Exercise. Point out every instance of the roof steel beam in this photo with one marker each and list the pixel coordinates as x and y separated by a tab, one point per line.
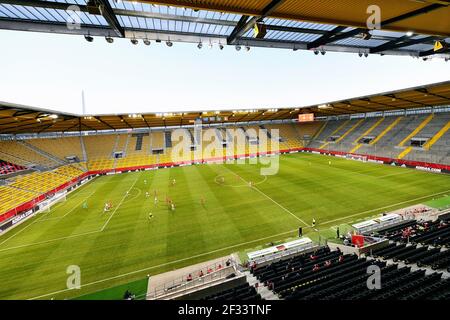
246	23
34	123
122	119
325	38
162	16
378	103
121	12
53	27
400	43
108	13
336	37
360	107
432	52
394	97
42	4
426	92
105	123
348	111
96	30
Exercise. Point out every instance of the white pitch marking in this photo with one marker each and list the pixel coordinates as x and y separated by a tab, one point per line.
256	189
71	210
37	220
386	207
62	238
167	263
394	174
120	203
325	223
51	240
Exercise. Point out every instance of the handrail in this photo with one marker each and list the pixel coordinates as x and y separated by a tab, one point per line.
180	284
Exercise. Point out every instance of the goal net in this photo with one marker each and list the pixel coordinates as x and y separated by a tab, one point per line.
46	205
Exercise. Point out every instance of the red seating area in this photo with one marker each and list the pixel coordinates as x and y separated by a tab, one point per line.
7	167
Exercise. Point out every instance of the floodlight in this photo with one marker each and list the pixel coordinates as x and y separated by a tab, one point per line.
88	38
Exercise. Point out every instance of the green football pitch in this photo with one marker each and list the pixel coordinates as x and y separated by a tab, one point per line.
124	245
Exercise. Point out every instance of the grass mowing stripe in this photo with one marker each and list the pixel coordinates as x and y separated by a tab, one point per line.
51	240
265	195
24	228
254	188
67	237
71	210
168	263
386	207
41	219
234	246
121	201
306	185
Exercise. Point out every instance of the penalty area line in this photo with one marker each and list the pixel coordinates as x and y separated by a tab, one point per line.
71	210
63	238
41	218
265	195
120	203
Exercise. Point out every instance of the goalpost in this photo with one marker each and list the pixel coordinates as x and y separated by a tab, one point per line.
46	205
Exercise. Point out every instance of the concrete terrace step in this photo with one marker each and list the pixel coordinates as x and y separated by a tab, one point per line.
265	293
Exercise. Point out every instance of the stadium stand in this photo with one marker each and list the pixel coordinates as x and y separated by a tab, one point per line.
157	140
423	256
331	275
424	243
437	260
11	197
70	171
39	182
377	134
26	187
435	233
7	167
61	147
433	139
137	151
356	138
99	149
21	153
329	133
307	131
289	136
240	292
423	138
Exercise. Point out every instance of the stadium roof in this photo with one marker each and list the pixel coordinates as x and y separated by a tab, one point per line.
408	27
16	119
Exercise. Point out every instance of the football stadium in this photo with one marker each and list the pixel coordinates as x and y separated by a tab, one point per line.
345	199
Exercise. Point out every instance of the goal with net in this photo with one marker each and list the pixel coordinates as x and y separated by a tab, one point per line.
46	205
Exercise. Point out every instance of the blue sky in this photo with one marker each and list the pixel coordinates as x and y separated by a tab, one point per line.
50	71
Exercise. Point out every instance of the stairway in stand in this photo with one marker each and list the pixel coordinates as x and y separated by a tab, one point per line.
265	293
